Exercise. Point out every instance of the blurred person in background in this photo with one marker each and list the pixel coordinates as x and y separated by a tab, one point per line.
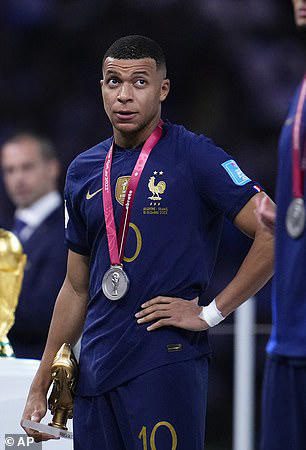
284	387
30	170
144	355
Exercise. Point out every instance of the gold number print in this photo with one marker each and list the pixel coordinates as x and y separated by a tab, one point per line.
138	245
143	435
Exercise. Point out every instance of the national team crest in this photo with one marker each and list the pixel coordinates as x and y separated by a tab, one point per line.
121	187
156	187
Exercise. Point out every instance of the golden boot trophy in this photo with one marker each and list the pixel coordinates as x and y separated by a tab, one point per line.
64	375
64	372
12	263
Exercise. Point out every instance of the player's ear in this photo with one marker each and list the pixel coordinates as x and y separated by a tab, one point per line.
164	90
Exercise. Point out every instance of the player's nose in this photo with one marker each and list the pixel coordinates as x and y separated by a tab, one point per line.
125	93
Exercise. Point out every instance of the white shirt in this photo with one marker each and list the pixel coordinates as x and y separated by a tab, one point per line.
35	214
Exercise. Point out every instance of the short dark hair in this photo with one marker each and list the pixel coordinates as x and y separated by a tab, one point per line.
136	47
46	148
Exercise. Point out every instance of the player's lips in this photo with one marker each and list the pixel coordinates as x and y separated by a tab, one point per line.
125	115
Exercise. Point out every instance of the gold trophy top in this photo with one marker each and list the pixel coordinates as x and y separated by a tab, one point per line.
10	251
12	263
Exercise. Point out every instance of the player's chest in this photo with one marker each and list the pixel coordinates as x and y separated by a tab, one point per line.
164	187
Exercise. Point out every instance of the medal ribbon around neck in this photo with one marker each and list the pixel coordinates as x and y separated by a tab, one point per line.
296	214
297	169
116	245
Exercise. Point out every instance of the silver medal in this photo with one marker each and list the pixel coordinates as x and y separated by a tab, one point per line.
115	283
295	218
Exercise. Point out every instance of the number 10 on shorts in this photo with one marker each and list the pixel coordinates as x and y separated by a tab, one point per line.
143	436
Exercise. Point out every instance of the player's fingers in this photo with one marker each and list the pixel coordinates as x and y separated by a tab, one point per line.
28	417
153	316
41	437
151	309
158	299
36	416
160	323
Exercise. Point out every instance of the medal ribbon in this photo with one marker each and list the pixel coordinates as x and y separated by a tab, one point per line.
297	170
116	253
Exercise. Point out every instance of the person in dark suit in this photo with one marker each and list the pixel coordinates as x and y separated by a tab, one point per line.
30	171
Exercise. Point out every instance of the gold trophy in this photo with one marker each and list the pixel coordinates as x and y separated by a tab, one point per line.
64	375
64	371
12	263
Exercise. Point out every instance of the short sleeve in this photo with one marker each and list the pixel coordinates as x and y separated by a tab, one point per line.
218	178
75	229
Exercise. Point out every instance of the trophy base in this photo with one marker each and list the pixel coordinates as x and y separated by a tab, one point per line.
42	428
6	350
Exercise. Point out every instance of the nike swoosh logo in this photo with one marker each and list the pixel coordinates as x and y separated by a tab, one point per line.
89	195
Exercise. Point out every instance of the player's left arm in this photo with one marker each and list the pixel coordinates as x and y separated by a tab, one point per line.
254	272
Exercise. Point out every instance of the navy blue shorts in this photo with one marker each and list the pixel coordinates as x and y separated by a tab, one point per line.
284	404
163	409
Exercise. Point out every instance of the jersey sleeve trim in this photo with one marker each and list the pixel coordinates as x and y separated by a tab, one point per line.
242	202
76	248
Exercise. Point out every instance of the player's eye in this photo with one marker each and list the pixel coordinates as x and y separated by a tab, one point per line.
140	82
112	82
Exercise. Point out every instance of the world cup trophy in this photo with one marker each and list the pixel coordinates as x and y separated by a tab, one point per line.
12	263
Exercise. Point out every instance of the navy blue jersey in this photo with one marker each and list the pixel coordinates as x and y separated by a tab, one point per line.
288	336
186	188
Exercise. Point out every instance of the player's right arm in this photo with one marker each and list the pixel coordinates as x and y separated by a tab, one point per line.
66	326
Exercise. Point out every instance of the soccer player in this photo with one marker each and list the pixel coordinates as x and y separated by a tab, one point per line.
144	216
284	388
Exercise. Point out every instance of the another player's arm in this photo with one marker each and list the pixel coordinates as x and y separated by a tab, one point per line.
266	213
253	274
66	326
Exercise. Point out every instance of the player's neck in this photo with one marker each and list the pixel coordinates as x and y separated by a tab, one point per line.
133	140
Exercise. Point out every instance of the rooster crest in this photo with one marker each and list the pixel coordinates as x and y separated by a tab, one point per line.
157	189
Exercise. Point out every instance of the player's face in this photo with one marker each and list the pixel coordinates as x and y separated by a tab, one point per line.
27	175
132	91
299	7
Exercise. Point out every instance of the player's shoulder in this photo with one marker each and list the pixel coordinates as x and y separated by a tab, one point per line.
185	136
83	163
204	156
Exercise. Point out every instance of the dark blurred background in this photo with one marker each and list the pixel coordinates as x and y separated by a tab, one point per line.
233	64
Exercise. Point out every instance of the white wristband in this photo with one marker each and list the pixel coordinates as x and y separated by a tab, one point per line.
211	314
